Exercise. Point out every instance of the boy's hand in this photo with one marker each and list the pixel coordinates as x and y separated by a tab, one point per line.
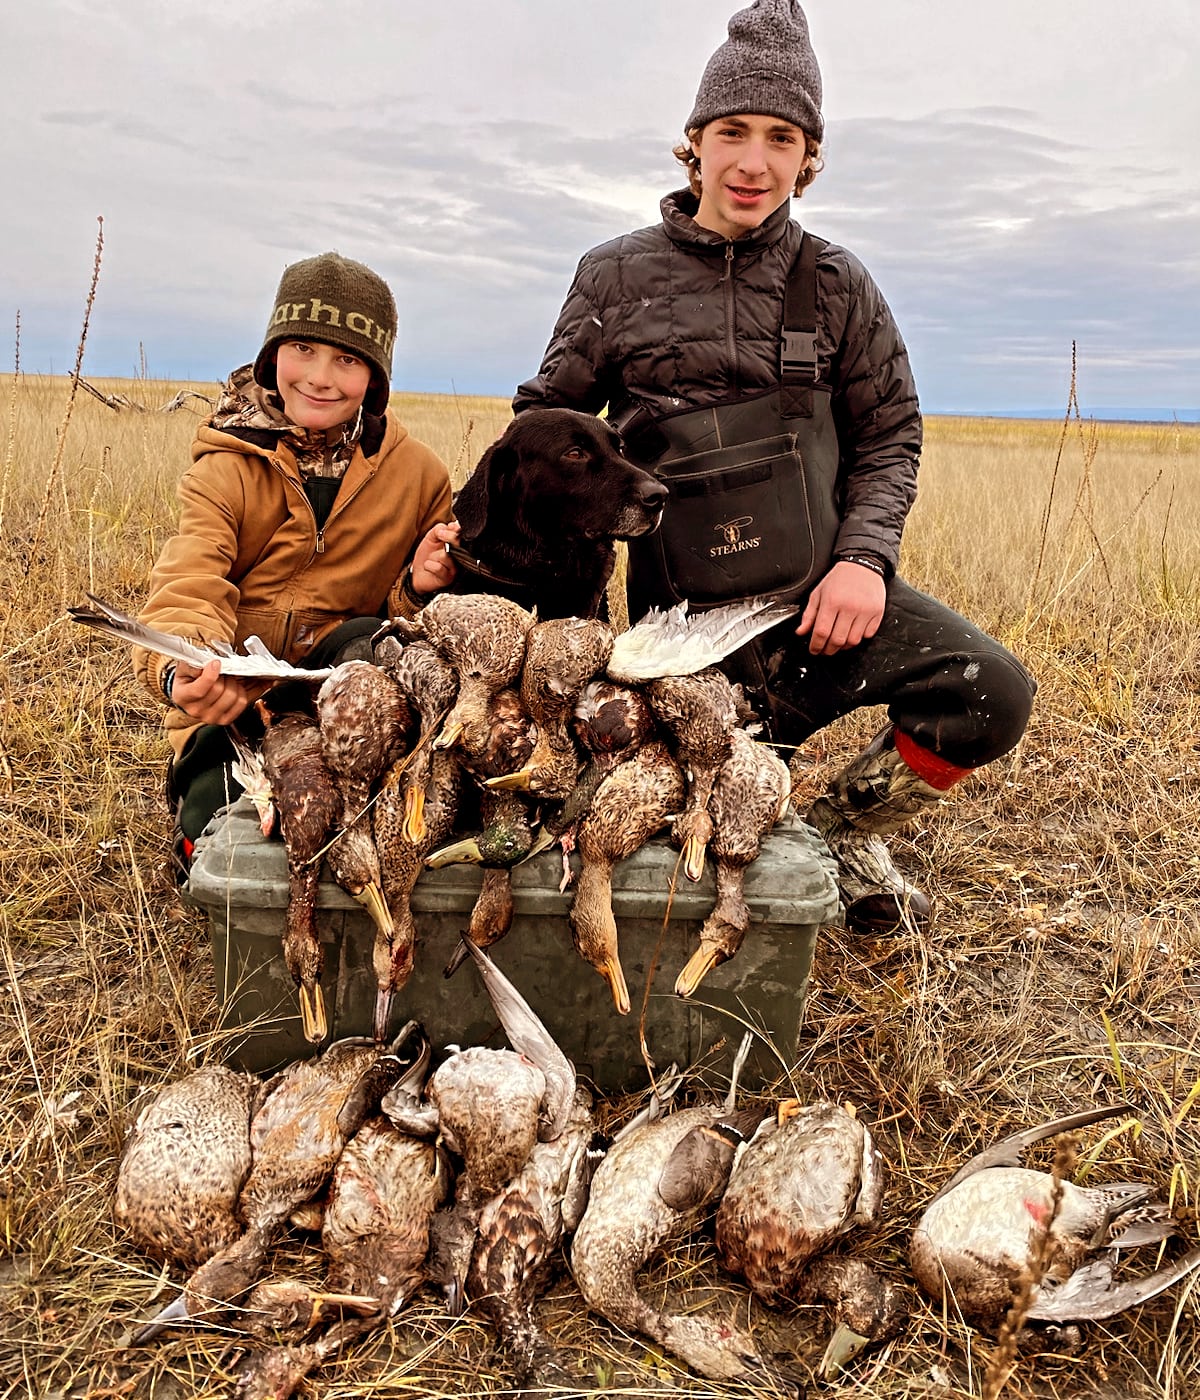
208	695
432	567
844	609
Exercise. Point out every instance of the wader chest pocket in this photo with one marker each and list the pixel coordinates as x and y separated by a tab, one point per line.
736	523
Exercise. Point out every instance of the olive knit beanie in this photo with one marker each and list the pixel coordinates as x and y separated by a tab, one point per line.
766	67
339	302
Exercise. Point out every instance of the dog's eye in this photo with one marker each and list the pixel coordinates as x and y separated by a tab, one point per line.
575	454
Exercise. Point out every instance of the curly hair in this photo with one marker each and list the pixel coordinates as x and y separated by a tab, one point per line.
688	158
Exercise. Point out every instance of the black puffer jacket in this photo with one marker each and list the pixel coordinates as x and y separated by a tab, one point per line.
674	315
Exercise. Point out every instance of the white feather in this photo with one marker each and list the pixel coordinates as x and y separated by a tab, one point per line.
259	662
673	644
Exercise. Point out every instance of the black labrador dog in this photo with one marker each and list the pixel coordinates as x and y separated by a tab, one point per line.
541	510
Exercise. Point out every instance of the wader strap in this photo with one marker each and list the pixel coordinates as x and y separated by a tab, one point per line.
798	344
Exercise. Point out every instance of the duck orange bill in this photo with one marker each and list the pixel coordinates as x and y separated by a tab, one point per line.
511	782
372	900
844	1346
449	736
610	969
696	969
414	814
693	857
312	1013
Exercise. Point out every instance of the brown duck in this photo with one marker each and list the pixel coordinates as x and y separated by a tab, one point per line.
296	1136
401	861
431	685
975	1239
633	802
699	713
561	656
308	804
366	723
184	1164
651	1186
751	794
810	1174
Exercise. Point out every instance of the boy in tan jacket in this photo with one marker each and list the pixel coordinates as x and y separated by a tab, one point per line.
308	515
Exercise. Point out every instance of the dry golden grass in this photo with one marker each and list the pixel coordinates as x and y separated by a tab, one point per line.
1061	968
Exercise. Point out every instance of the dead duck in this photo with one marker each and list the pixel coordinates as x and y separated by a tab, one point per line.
975	1239
699	713
651	1186
184	1164
610	722
366	723
751	794
308	804
431	685
633	802
313	1108
810	1174
519	1233
483	638
505	839
561	656
402	858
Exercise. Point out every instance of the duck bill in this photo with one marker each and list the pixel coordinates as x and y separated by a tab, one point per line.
173	1315
693	857
457	958
383	1013
457	853
312	1013
844	1346
695	970
520	781
541	842
372	900
450	735
414	814
328	1304
610	969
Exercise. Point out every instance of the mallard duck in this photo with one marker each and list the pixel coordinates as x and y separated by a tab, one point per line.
296	1136
976	1237
519	1232
561	656
402	860
504	840
611	722
365	722
431	684
491	1106
651	1186
184	1164
308	804
810	1174
751	793
700	713
633	802
483	637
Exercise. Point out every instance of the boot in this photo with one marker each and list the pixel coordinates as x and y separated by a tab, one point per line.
871	798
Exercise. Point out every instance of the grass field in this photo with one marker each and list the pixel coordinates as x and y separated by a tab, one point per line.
1061	968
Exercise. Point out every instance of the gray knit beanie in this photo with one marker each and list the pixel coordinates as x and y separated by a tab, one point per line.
766	67
339	302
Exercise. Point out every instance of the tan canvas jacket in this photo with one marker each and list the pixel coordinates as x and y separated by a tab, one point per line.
248	559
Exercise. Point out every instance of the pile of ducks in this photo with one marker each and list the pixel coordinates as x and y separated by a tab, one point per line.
478	1175
479	733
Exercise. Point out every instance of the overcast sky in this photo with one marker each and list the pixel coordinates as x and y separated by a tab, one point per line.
1016	177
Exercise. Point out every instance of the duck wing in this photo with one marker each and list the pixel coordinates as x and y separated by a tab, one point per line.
1090	1295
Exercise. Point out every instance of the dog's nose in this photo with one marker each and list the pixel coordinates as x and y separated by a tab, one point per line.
653	494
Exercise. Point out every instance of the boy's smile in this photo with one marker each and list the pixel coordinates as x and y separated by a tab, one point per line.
321	386
749	166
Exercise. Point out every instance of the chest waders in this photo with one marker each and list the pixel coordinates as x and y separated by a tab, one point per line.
754	501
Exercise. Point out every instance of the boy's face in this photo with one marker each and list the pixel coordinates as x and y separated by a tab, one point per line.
749	166
321	386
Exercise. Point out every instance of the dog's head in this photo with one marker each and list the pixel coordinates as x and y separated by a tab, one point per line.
557	474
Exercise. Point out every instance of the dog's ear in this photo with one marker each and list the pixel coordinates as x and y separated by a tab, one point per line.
471	503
